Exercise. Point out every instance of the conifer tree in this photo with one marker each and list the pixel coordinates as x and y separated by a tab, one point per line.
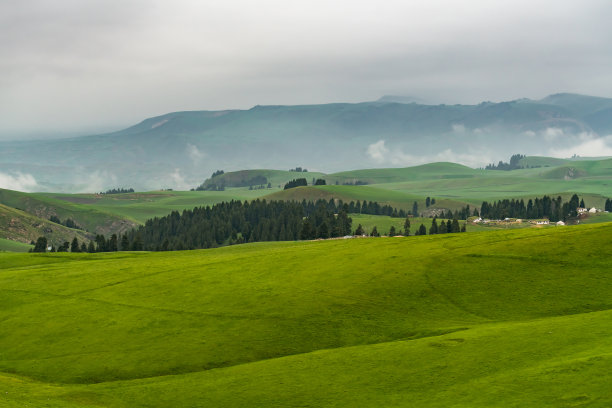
359	230
125	243
434	227
392	231
41	245
112	243
422	230
74	246
455	226
407	227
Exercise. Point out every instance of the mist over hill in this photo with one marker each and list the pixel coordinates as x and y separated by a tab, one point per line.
180	149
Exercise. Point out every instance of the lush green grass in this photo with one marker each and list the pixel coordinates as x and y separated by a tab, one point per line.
441	170
506	318
13	246
596	218
139	207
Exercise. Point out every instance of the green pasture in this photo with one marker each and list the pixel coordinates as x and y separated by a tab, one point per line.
506	318
13	246
44	205
139	207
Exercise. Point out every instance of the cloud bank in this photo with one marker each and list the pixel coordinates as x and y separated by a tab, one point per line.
19	182
382	155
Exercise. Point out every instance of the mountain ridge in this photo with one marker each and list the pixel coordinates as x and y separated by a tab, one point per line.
180	149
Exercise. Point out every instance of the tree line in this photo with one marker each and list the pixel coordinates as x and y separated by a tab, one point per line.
118	191
608	205
545	207
238	222
69	222
513	165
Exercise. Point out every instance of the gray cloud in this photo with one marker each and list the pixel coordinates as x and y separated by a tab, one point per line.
68	65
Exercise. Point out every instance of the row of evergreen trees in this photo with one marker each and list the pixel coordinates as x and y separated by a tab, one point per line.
237	222
70	223
513	165
299	182
118	191
546	207
100	244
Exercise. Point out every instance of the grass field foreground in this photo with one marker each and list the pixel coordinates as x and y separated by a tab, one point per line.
506	318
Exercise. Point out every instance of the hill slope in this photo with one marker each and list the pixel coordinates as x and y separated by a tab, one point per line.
439	320
21	227
86	217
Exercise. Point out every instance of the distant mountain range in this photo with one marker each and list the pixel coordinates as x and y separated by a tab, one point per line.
181	149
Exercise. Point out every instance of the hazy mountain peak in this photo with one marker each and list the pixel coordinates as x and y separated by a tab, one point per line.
402	99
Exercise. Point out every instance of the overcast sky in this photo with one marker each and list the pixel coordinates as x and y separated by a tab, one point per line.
78	66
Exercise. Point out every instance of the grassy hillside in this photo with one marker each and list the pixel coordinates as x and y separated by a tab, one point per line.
45	205
440	170
452	320
14	246
379	193
139	207
245	178
17	227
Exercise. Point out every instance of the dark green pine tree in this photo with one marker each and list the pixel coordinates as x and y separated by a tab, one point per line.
359	230
91	247
41	245
374	232
427	202
455	226
323	230
407	227
83	247
125	243
100	243
112	243
306	232
74	246
392	231
582	203
137	244
415	209
422	230
442	227
434	227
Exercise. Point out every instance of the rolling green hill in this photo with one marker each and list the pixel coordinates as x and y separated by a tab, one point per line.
246	178
507	318
14	246
18	227
76	208
441	170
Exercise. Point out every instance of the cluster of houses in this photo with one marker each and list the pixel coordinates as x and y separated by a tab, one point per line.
593	210
544	221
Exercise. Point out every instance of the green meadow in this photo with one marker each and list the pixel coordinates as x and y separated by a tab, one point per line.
13	246
504	318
